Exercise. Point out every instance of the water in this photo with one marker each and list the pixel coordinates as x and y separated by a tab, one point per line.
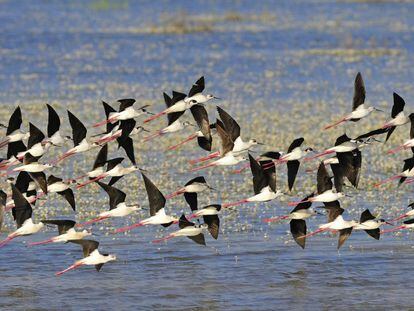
280	67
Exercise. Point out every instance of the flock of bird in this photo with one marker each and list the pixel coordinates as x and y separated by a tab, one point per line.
27	174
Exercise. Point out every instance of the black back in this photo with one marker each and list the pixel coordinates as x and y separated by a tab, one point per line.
342	139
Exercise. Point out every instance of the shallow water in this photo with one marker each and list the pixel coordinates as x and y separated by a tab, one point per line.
280	67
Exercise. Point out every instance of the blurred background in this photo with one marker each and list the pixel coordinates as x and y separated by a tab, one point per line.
284	69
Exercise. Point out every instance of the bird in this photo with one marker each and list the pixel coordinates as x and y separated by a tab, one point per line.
407	172
297	218
57	185
196	93
35	170
22	215
359	110
13	133
114	169
191	189
176	105
370	224
291	158
54	137
325	191
227	156
66	231
263	186
205	132
117	205
188	229
35	145
348	165
174	123
126	112
80	142
398	117
408	224
339	224
267	158
210	217
342	144
98	167
406	214
232	129
157	211
91	256
410	142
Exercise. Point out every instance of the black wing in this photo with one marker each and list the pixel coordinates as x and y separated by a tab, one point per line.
78	129
198	87
200	115
191	199
270	173
113	162
205	143
198	179
15	148
128	145
213	223
259	178
292	167
334	209
373	133
53	122
342	139
108	110
338	176
183	222
343	236
359	92
101	158
40	180
63	225
22	209
226	143
15	121
116	196
398	106
303	205
365	216
298	230
22	181
125	103
36	136
324	182
389	132
70	197
296	143
375	233
411	116
177	96
199	239
155	197
350	163
88	246
230	124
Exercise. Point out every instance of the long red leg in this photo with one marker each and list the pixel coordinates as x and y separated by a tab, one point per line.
4	143
41	242
203	159
274	219
91	181
395	150
128	228
202	167
335	124
297	202
235	203
72	267
319	155
155	116
163	239
104	122
155	135
174	194
399	217
7	240
393	229
189	138
313	233
92	221
386	180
